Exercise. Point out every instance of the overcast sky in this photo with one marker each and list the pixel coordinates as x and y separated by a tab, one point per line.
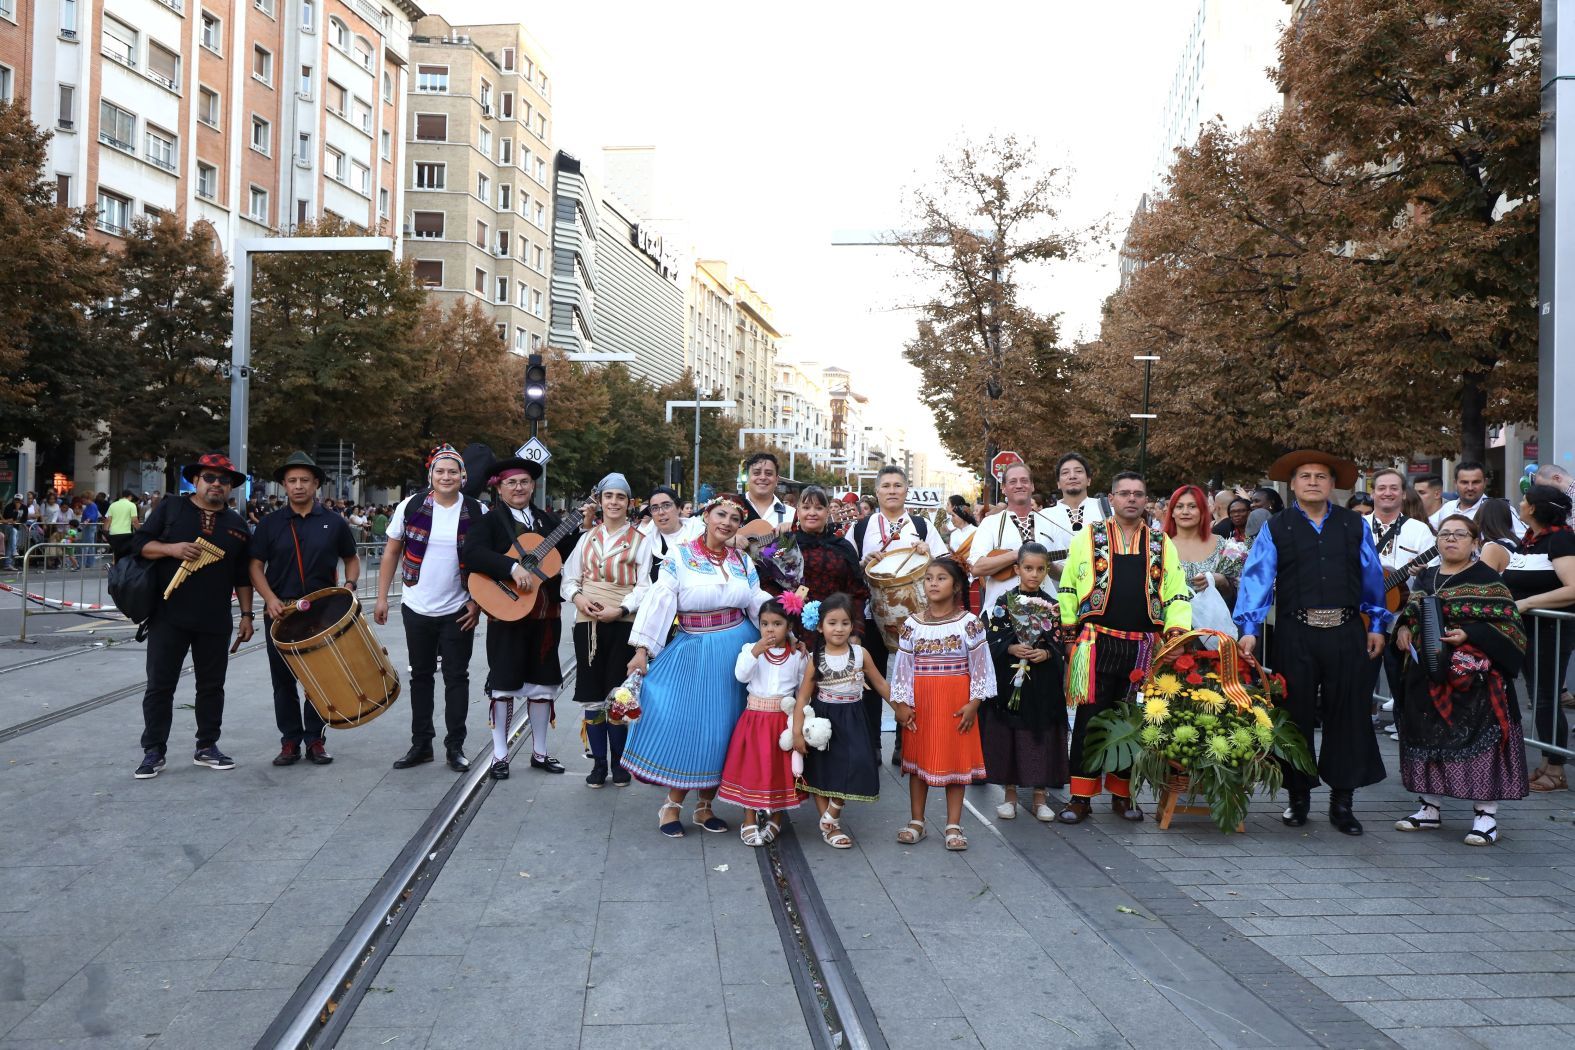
777	124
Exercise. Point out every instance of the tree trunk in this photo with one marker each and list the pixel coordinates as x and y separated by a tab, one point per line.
1473	427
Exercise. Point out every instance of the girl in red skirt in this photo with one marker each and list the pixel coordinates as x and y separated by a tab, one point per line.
758	773
942	669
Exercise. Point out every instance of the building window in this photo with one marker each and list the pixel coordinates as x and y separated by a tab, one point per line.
336	98
535	342
480	283
119	42
508	60
431	176
388	87
382	202
152	214
363	52
212	33
507	105
257	205
385	144
262	135
338	35
160	150
303	149
429	272
527	68
67	119
262	64
541	171
304	89
521	293
207	181
541	126
116	127
484	187
541	85
484	141
540	263
208	106
308	15
63	190
7	84
114	212
503	244
432	79
505	196
362	115
481	235
541	215
265	6
68	18
501	292
361	179
427	225
164	66
486	98
505	151
431	127
536	303
334	164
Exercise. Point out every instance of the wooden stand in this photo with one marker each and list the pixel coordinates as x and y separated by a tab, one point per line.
1170	804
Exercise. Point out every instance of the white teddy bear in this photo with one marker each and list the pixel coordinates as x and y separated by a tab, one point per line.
817	732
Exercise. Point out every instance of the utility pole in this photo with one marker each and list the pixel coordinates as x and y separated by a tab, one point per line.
697	404
1145	415
1556	270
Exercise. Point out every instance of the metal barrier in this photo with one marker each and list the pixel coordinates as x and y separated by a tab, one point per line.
1552	630
371	556
73	585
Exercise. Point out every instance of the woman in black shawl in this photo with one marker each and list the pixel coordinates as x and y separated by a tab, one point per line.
1461	738
831	565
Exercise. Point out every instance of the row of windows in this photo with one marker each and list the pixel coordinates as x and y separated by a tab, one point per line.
433	127
123	44
117	128
429	272
432	225
527	69
434	176
434	80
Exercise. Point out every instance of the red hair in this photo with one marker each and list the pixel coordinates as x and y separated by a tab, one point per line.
1201	499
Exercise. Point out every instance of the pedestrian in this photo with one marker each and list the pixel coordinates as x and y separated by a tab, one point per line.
123	521
761	502
942	671
605	579
1401	541
425	537
1471	482
831	565
195	616
1429	489
297	550
1074	509
1233	526
87	533
1122	588
1023	731
380	522
1461	737
838	675
757	773
993	550
13	519
1317	564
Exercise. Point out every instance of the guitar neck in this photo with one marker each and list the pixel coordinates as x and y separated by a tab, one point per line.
565	527
1395	577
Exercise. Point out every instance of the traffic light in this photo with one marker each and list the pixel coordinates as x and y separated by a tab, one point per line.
674	475
535	389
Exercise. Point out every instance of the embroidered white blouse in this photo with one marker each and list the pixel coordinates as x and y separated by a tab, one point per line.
691	582
952	647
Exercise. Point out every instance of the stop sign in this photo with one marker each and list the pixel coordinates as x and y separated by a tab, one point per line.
1003	459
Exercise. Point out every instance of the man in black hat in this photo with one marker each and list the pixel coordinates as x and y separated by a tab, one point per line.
522	655
297	550
185	534
1316	561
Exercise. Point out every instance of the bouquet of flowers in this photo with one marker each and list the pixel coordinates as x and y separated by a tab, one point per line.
623	703
1031	618
1207	717
783	562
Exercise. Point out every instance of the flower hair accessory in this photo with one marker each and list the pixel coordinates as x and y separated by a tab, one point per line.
809	616
792	602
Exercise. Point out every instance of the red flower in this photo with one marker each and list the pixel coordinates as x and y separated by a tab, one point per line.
1184	662
1135	677
1194	679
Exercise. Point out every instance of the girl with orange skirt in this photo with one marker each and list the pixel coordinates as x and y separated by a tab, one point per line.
941	671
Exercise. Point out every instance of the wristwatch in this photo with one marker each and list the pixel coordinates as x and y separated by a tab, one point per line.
248	616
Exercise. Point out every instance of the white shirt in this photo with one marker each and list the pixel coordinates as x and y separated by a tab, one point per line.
770	513
438	591
1453	507
1060	516
765	679
901	533
574	569
663	543
1413	538
999	531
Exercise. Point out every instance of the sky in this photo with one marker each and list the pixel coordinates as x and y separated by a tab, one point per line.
777	124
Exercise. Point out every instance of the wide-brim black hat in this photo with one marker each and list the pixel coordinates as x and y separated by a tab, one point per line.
498	466
213	461
300	459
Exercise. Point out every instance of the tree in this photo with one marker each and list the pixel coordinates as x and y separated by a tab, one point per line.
54	275
169	328
719	455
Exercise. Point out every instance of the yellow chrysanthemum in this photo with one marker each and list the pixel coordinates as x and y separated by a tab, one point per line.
1155	711
1261	716
1167	685
1209	700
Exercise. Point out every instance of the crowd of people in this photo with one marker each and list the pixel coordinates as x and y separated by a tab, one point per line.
746	652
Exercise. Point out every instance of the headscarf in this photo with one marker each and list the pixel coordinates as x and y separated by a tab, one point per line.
614	482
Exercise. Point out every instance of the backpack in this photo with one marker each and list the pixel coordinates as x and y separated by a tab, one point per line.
134	587
919	525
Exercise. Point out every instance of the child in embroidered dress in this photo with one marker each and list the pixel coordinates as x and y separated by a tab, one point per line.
939	675
847	768
758	774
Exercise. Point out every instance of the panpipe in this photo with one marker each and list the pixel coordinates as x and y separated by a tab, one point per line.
207	554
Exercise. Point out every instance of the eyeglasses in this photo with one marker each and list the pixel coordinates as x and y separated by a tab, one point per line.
515	483
1453	535
213	479
662	506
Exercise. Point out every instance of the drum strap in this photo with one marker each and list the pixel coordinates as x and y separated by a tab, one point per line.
300	566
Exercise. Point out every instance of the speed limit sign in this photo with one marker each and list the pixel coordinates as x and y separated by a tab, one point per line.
534	451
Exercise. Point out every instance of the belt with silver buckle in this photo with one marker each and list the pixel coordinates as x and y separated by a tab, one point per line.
1323	617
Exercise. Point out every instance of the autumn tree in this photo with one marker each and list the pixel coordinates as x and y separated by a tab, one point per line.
169	329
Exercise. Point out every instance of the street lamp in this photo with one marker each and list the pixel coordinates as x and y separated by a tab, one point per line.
697	404
1145	415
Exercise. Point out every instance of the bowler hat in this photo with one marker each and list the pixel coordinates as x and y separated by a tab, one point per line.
300	459
213	461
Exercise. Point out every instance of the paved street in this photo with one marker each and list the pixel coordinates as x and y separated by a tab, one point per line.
184	911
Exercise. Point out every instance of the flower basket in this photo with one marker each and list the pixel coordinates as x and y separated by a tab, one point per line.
1202	723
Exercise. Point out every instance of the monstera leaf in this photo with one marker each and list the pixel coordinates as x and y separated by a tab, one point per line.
1111	744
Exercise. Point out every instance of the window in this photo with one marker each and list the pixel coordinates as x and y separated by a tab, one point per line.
363	52
338	35
536	303
303	149
503	244
208	106
212	33
114	212
484	141
507	103
160	148
262	135
265	6
541	85
541	171
508	60
164	65
481	281
501	292
505	196
388	87
483	187
334	164
541	126
385	144
362	114
308	15
119	42
432	79
336	98
431	127
519	336
116	127
304	88
382	201
262	64
207	181
257	204
302	211
68	18
541	215
527	68
486	97
63	190
67	119
535	342
522	293
505	151
481	235
427	224
430	272
361	179
431	176
540	263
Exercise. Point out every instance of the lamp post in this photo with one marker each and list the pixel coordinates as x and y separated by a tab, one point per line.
697	404
1145	415
1556	271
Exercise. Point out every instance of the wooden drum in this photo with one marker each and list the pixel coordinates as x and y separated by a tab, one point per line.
328	646
896	580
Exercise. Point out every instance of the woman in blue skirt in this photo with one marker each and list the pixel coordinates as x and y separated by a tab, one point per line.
691	699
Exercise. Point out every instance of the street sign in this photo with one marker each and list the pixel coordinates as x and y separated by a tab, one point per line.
1002	460
534	451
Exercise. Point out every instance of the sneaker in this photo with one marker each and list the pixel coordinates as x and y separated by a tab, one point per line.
620	777
289	754
317	754
213	758
152	762
597	776
1388	706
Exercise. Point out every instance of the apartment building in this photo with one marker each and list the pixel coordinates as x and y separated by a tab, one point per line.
574	232
479	178
731	341
802	407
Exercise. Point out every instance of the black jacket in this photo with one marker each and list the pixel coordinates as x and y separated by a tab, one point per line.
489	540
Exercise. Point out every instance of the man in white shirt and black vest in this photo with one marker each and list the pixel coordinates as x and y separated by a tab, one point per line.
1075	510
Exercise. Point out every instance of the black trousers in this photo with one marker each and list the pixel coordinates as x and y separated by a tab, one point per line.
298	720
1327	672
875	645
605	672
210	660
1547	655
1116	660
120	546
427	638
1389	667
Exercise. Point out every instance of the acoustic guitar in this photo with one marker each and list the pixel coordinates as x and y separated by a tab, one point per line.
503	599
838	513
1394	579
1007	572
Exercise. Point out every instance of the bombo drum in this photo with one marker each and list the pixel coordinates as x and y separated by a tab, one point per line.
896	581
329	647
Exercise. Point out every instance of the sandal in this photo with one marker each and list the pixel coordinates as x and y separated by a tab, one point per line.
713	823
831	832
1549	778
955	840
673	829
1482	836
750	834
769	830
913	832
1419	821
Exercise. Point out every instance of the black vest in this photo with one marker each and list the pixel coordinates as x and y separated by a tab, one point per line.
1318	570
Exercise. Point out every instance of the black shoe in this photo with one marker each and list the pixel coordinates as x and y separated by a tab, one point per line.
1295	814
546	764
317	754
414	757
896	754
289	754
620	777
457	761
152	762
1340	814
500	769
597	777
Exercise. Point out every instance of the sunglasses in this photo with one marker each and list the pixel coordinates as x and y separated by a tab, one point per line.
214	479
